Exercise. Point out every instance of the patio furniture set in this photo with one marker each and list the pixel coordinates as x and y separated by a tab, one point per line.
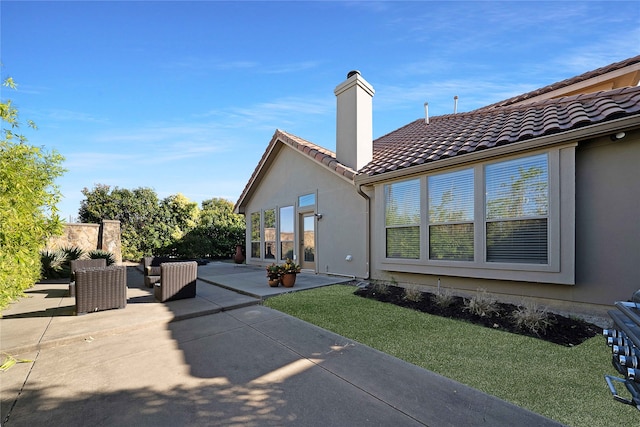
97	286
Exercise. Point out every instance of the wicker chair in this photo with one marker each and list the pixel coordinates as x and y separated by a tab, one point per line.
177	281
151	267
101	289
77	264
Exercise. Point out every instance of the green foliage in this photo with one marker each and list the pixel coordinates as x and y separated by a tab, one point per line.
99	254
53	265
562	383
290	267
72	253
443	297
481	304
28	198
530	317
57	264
137	211
413	293
218	232
172	226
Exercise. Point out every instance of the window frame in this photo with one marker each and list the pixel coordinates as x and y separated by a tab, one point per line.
560	267
259	231
407	225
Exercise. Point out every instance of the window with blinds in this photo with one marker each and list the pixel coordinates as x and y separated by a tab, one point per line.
517	210
255	235
402	219
451	206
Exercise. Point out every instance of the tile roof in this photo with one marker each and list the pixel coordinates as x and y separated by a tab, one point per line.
317	153
458	134
314	152
565	83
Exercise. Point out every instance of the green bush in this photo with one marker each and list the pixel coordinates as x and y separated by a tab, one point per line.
98	254
28	197
528	316
481	304
53	265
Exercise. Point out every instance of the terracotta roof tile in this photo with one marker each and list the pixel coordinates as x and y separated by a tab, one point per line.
457	134
565	83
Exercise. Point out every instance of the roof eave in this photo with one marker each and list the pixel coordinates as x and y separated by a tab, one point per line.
568	137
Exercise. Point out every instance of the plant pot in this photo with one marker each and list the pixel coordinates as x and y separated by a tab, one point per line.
238	258
274	282
288	280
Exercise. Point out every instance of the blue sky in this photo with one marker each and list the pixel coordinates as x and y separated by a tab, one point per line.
183	97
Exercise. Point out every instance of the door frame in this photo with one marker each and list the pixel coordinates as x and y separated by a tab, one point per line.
307	265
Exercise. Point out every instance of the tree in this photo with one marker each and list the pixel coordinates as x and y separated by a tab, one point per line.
219	230
137	211
28	198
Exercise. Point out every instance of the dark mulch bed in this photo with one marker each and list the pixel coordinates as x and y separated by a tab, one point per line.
563	330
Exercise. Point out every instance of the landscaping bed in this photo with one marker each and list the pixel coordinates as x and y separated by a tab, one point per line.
555	328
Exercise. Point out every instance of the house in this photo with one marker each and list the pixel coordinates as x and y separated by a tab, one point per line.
536	196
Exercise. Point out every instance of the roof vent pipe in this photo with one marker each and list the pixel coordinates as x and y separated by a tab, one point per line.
455	104
426	113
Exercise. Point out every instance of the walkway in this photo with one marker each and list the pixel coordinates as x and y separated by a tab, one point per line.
218	359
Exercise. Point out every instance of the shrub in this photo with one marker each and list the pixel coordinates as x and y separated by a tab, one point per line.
481	304
528	316
443	297
413	293
380	288
97	254
52	264
72	253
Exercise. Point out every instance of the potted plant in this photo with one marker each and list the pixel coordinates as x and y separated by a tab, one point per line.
273	274
289	271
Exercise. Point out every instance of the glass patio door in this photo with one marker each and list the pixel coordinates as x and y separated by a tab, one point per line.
308	241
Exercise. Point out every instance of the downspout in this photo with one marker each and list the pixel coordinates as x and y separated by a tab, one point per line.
367	228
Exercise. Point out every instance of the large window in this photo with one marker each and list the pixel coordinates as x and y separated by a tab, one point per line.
517	209
270	234
286	232
255	235
451	205
499	219
402	219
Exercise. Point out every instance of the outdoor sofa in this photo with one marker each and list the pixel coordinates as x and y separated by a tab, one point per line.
151	268
77	264
101	288
177	281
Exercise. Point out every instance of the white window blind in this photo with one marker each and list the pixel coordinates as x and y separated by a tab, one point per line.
517	210
451	206
402	219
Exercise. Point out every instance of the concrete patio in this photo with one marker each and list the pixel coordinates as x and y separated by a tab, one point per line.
218	359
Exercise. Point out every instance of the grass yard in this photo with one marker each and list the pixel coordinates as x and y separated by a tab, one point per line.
562	383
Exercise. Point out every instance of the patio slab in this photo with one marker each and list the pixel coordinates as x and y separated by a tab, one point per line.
218	359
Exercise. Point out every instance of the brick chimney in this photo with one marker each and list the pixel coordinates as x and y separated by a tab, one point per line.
354	130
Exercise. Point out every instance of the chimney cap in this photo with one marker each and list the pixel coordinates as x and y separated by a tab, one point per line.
352	73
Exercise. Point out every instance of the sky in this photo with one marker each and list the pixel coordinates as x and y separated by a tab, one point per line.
184	97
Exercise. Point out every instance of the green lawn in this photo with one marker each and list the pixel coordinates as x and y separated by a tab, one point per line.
565	384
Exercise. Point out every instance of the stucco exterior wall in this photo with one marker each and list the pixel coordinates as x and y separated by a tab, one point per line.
342	229
607	237
608	219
